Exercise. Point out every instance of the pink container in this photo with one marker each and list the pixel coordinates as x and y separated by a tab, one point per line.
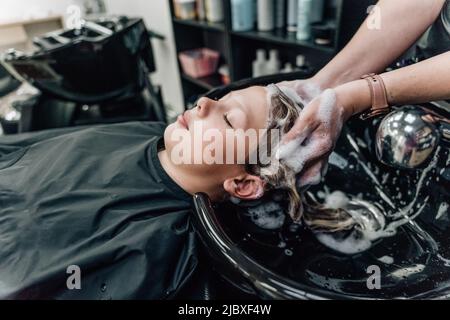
199	63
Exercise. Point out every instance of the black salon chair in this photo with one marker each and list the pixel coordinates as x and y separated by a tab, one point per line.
96	74
7	82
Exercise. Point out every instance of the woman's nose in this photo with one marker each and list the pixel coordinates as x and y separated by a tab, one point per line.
204	106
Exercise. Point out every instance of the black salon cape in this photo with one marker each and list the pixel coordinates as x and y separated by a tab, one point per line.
97	198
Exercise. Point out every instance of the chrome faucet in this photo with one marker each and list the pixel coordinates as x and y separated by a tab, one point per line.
409	136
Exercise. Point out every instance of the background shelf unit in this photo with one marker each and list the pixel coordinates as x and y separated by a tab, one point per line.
238	49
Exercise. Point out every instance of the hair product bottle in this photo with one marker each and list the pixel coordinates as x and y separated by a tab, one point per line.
266	15
287	68
309	11
274	64
185	9
259	65
304	19
300	63
280	13
242	15
292	13
214	10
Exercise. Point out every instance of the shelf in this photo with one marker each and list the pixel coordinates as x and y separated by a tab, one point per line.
282	37
201	24
238	48
207	83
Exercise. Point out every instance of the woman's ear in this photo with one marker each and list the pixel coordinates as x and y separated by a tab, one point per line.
246	187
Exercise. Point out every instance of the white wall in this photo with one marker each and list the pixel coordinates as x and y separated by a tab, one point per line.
156	14
18	10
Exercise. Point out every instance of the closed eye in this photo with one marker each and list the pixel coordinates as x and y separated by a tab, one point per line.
225	117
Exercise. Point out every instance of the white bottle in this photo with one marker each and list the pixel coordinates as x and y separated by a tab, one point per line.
287	68
300	62
214	10
280	13
304	19
292	13
266	15
259	65
274	64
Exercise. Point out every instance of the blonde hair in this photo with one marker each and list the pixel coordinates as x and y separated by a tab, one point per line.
283	114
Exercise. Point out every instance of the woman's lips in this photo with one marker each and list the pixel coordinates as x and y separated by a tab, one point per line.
183	121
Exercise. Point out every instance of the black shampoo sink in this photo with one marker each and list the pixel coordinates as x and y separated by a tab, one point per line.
287	260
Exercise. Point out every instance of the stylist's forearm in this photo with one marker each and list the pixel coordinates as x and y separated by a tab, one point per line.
371	49
426	81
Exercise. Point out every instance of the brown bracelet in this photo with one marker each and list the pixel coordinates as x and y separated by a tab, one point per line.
378	97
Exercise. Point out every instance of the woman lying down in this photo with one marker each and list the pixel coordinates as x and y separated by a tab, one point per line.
103	212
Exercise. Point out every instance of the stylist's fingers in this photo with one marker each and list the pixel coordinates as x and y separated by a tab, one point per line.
321	154
306	123
312	174
302	128
292	144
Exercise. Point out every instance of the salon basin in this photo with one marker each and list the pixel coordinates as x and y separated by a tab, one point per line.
287	261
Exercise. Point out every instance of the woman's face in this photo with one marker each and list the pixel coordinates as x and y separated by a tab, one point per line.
208	132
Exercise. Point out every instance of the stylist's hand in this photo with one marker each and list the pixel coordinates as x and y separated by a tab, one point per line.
307	146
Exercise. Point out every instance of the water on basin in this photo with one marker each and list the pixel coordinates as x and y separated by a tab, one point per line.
404	232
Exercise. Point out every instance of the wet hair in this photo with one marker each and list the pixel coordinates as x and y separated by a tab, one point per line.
278	176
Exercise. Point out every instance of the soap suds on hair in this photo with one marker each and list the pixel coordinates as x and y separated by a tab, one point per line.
295	153
370	225
336	200
310	89
291	94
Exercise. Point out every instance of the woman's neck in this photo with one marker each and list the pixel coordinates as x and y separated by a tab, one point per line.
188	180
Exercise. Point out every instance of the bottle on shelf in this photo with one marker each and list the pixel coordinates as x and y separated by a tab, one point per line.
300	63
259	65
266	15
184	9
309	11
201	14
287	68
242	15
274	64
322	33
214	10
280	14
292	13
304	19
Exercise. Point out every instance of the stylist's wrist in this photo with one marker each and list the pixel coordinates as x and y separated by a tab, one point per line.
354	97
